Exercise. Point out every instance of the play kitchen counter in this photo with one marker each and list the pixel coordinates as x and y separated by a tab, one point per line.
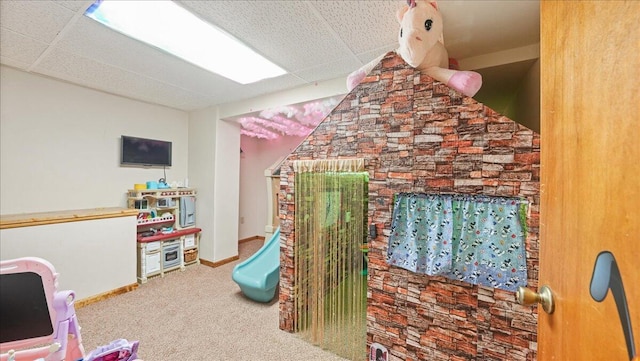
167	238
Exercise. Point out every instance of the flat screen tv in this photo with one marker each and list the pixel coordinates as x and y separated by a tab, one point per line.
145	152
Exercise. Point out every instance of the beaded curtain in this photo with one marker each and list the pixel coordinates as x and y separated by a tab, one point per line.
330	270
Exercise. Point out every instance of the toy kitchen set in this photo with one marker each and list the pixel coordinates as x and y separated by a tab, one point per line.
167	238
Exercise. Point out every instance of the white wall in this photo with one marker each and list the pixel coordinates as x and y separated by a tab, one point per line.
60	149
258	155
60	144
107	248
527	104
214	153
202	132
226	190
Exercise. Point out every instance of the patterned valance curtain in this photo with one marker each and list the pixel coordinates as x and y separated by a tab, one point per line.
476	239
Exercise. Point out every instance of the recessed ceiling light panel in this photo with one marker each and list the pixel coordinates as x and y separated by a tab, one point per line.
169	27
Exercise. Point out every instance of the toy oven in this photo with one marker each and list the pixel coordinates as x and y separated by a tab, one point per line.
171	254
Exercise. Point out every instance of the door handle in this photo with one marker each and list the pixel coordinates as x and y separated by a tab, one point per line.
606	276
544	297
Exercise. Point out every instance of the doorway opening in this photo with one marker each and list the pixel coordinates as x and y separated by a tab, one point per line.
330	265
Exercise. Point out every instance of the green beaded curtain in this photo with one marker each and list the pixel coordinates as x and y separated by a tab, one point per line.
330	267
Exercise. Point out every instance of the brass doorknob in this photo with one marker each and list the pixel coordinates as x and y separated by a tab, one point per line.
544	297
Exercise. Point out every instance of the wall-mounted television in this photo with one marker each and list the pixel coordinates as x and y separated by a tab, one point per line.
145	152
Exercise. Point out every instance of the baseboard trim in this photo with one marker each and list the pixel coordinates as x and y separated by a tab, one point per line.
250	239
230	259
218	263
118	291
103	296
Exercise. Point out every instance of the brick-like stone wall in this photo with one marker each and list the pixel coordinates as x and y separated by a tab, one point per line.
418	135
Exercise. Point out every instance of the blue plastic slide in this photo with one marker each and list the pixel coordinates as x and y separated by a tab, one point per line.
259	274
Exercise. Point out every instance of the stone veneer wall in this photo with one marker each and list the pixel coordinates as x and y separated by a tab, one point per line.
418	135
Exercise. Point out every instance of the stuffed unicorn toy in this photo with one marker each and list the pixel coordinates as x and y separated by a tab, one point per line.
421	46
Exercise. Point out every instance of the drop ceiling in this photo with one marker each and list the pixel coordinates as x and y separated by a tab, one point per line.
314	41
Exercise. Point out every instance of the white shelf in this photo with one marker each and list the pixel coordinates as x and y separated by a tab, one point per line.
161	193
151	221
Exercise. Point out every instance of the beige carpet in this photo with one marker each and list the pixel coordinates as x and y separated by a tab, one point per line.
195	315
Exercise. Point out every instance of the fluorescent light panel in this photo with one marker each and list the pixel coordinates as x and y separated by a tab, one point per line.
175	30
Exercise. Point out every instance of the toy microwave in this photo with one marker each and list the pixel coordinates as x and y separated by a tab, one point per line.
166	203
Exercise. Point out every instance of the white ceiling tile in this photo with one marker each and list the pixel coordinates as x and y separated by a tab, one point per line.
14	63
328	71
40	20
96	75
314	40
20	48
266	86
75	5
364	25
290	33
372	54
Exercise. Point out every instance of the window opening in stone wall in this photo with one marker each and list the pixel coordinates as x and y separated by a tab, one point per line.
475	239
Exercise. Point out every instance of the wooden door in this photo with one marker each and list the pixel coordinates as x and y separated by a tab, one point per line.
590	173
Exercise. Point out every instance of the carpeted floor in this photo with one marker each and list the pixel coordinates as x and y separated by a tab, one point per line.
195	315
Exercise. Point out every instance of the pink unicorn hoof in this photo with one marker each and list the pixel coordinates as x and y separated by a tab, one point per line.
466	82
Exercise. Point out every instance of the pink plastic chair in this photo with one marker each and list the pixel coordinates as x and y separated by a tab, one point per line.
38	322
